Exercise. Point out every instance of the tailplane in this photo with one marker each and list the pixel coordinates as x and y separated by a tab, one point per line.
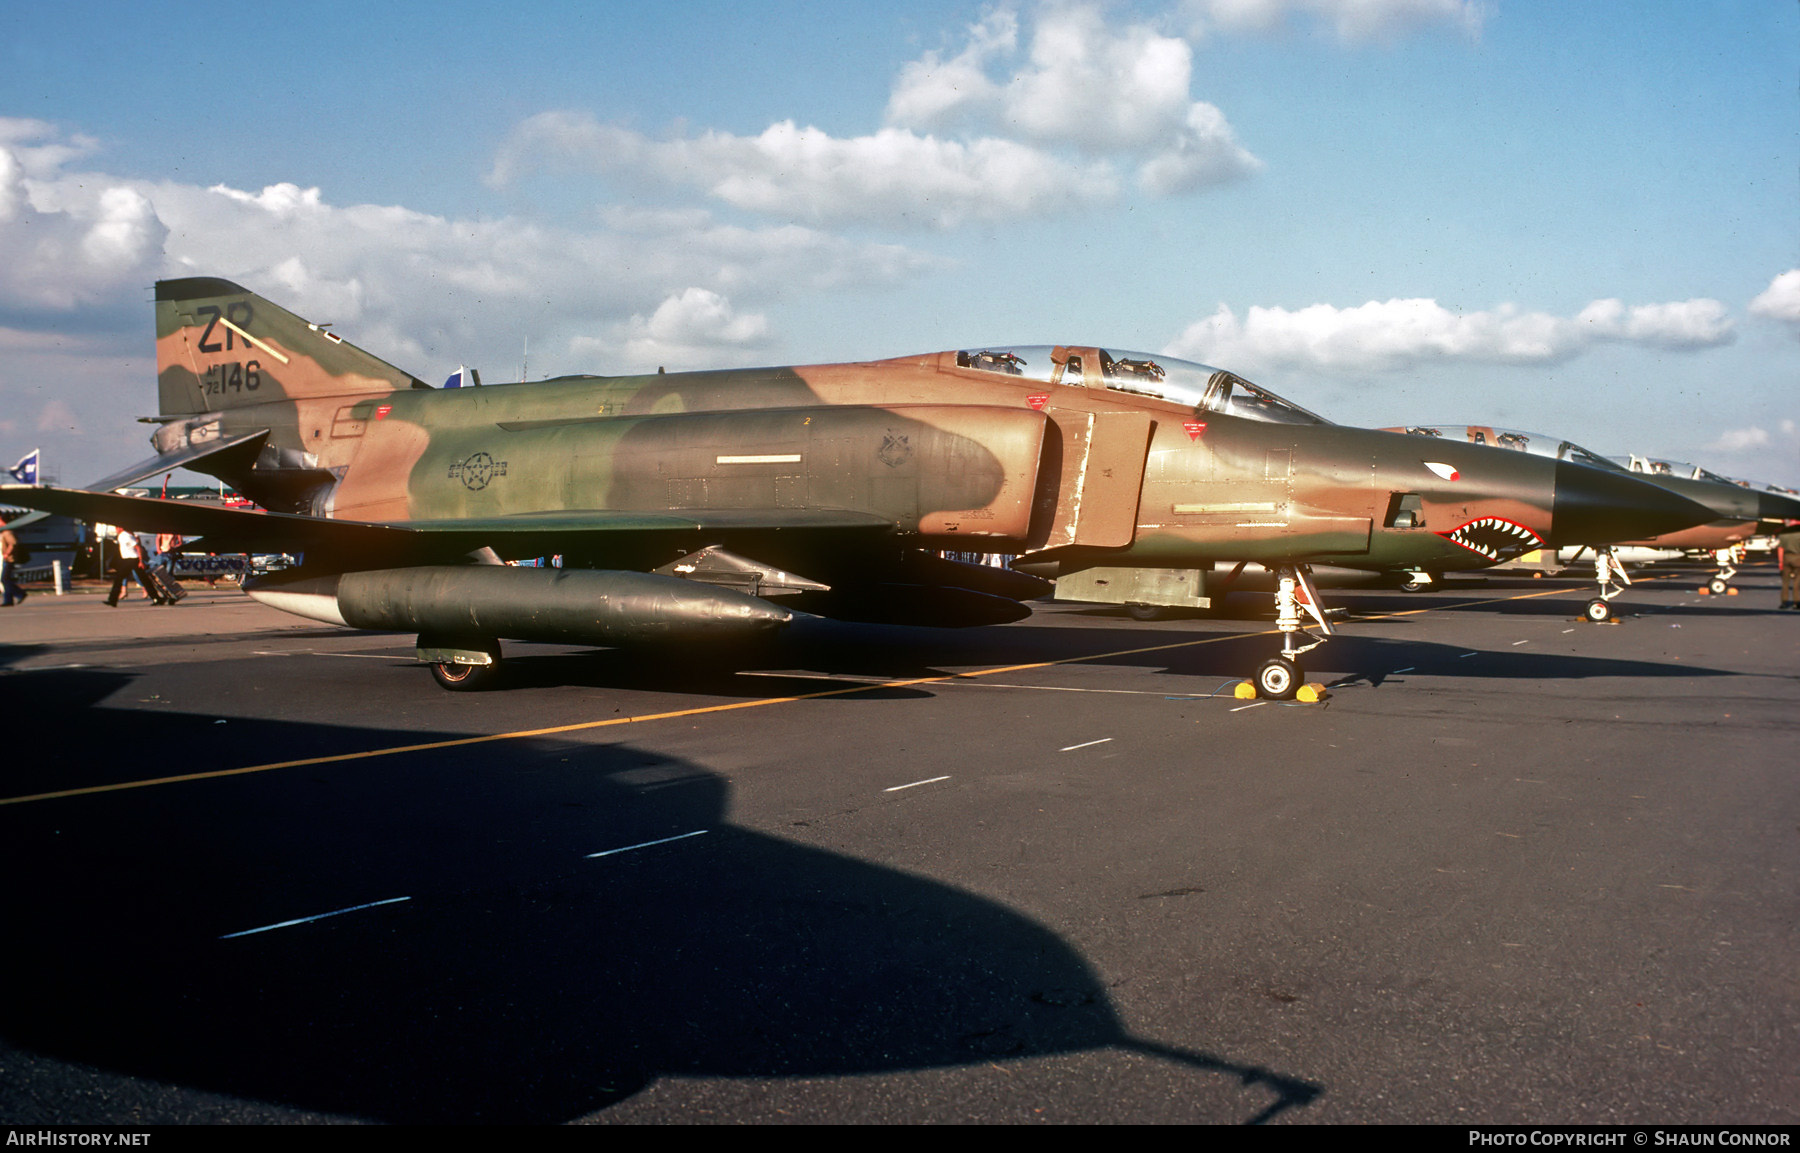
220	346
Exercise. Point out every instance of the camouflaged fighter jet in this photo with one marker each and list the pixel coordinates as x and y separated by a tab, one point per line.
1740	511
1736	512
715	504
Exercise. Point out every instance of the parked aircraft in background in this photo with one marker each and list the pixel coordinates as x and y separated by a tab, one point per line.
1735	512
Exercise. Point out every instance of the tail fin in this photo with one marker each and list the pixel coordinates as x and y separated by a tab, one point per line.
220	346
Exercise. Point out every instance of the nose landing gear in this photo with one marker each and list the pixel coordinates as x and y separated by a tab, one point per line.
1610	573
1720	584
1281	678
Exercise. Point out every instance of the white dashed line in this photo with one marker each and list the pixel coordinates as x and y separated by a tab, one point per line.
916	784
1085	745
646	844
314	917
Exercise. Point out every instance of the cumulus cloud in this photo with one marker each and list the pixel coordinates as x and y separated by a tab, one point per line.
1351	21
893	176
67	241
1741	439
1762	453
416	285
80	249
1397	334
1781	300
689	329
974	137
1105	92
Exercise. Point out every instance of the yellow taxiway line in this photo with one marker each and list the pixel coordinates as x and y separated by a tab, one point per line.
582	726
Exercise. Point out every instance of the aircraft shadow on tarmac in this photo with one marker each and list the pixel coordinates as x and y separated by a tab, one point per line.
519	981
829	657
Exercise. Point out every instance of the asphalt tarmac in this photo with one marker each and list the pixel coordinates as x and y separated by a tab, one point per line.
1515	868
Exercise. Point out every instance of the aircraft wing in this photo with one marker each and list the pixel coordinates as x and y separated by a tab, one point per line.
245	530
245	446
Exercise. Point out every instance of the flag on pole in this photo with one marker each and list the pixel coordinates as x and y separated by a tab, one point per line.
26	471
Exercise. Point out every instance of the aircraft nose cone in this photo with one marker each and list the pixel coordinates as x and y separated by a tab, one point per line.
1595	506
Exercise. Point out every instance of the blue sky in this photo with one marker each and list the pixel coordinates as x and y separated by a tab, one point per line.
1576	219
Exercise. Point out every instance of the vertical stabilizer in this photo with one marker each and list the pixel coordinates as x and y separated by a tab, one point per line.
220	346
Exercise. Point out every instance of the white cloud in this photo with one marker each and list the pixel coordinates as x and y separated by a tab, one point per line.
1781	300
968	138
1762	453
1678	325
67	241
415	287
1396	334
79	251
934	94
689	329
1351	21
1741	439
1115	93
894	176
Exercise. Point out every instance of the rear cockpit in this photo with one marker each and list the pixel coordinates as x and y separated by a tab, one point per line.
1651	466
1196	386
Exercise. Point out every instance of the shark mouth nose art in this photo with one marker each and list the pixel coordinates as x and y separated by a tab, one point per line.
1494	538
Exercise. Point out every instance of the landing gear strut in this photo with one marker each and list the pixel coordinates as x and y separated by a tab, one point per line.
1279	678
1726	559
1610	572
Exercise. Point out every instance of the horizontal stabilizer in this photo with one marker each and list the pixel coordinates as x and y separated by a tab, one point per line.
247	445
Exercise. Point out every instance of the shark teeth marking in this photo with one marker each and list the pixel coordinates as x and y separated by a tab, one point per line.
1494	538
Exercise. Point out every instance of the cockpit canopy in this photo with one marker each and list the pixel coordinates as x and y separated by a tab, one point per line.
1537	444
1651	466
1198	386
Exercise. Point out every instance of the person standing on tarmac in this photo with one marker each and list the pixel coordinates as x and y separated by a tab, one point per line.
10	556
1787	551
129	565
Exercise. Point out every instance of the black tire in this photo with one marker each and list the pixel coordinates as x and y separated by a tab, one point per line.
1599	611
1414	582
1278	679
1718	586
1145	612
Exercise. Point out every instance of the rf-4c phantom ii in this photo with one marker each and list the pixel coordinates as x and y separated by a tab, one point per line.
1734	512
716	504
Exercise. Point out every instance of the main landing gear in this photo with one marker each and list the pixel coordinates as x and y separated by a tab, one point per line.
462	666
1281	678
1610	572
1720	584
1416	581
